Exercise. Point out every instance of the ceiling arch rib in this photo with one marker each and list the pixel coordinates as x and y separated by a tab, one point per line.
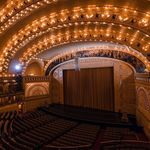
30	31
54	65
78	36
104	50
16	10
82	35
136	19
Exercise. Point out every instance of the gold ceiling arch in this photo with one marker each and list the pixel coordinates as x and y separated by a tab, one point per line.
104	33
89	34
16	10
39	27
134	25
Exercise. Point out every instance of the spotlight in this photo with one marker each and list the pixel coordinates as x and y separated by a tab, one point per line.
18	67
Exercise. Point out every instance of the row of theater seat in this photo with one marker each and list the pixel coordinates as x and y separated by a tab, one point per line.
106	134
34	130
8	115
39	130
6	120
114	138
37	137
21	125
125	145
32	114
115	133
83	134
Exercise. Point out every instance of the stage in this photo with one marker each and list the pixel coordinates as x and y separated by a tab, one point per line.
89	115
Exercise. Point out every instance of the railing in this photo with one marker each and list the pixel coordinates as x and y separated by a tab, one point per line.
10	85
142	77
6	79
11	90
35	78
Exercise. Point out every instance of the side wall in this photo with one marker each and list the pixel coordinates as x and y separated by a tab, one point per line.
143	105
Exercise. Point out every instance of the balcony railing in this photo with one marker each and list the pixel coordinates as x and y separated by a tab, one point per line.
12	88
143	77
35	78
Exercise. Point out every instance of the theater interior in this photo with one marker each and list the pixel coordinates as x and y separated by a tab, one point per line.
74	75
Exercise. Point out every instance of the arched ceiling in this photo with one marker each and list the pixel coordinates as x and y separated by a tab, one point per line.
28	27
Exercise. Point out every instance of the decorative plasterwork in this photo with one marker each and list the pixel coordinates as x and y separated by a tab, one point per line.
36	89
92	62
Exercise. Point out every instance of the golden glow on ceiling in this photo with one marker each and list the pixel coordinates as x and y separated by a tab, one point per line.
87	34
114	24
17	9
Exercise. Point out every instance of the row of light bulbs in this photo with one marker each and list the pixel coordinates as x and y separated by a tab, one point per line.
64	38
103	47
94	32
108	33
33	29
7	75
105	12
20	8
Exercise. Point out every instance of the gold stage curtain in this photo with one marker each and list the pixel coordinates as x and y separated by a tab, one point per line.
92	87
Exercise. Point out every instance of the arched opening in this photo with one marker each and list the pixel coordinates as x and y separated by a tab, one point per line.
34	69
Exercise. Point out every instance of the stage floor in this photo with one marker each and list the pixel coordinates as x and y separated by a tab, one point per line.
88	115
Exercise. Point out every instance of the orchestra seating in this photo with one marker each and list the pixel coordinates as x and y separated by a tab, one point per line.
125	145
83	134
42	130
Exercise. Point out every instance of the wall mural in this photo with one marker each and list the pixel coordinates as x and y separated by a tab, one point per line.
36	89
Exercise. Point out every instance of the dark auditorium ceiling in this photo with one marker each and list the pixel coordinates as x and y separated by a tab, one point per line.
29	27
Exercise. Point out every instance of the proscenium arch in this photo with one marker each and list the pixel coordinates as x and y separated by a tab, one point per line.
122	48
98	59
72	59
62	50
41	28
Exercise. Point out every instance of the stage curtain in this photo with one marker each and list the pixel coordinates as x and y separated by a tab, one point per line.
92	87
